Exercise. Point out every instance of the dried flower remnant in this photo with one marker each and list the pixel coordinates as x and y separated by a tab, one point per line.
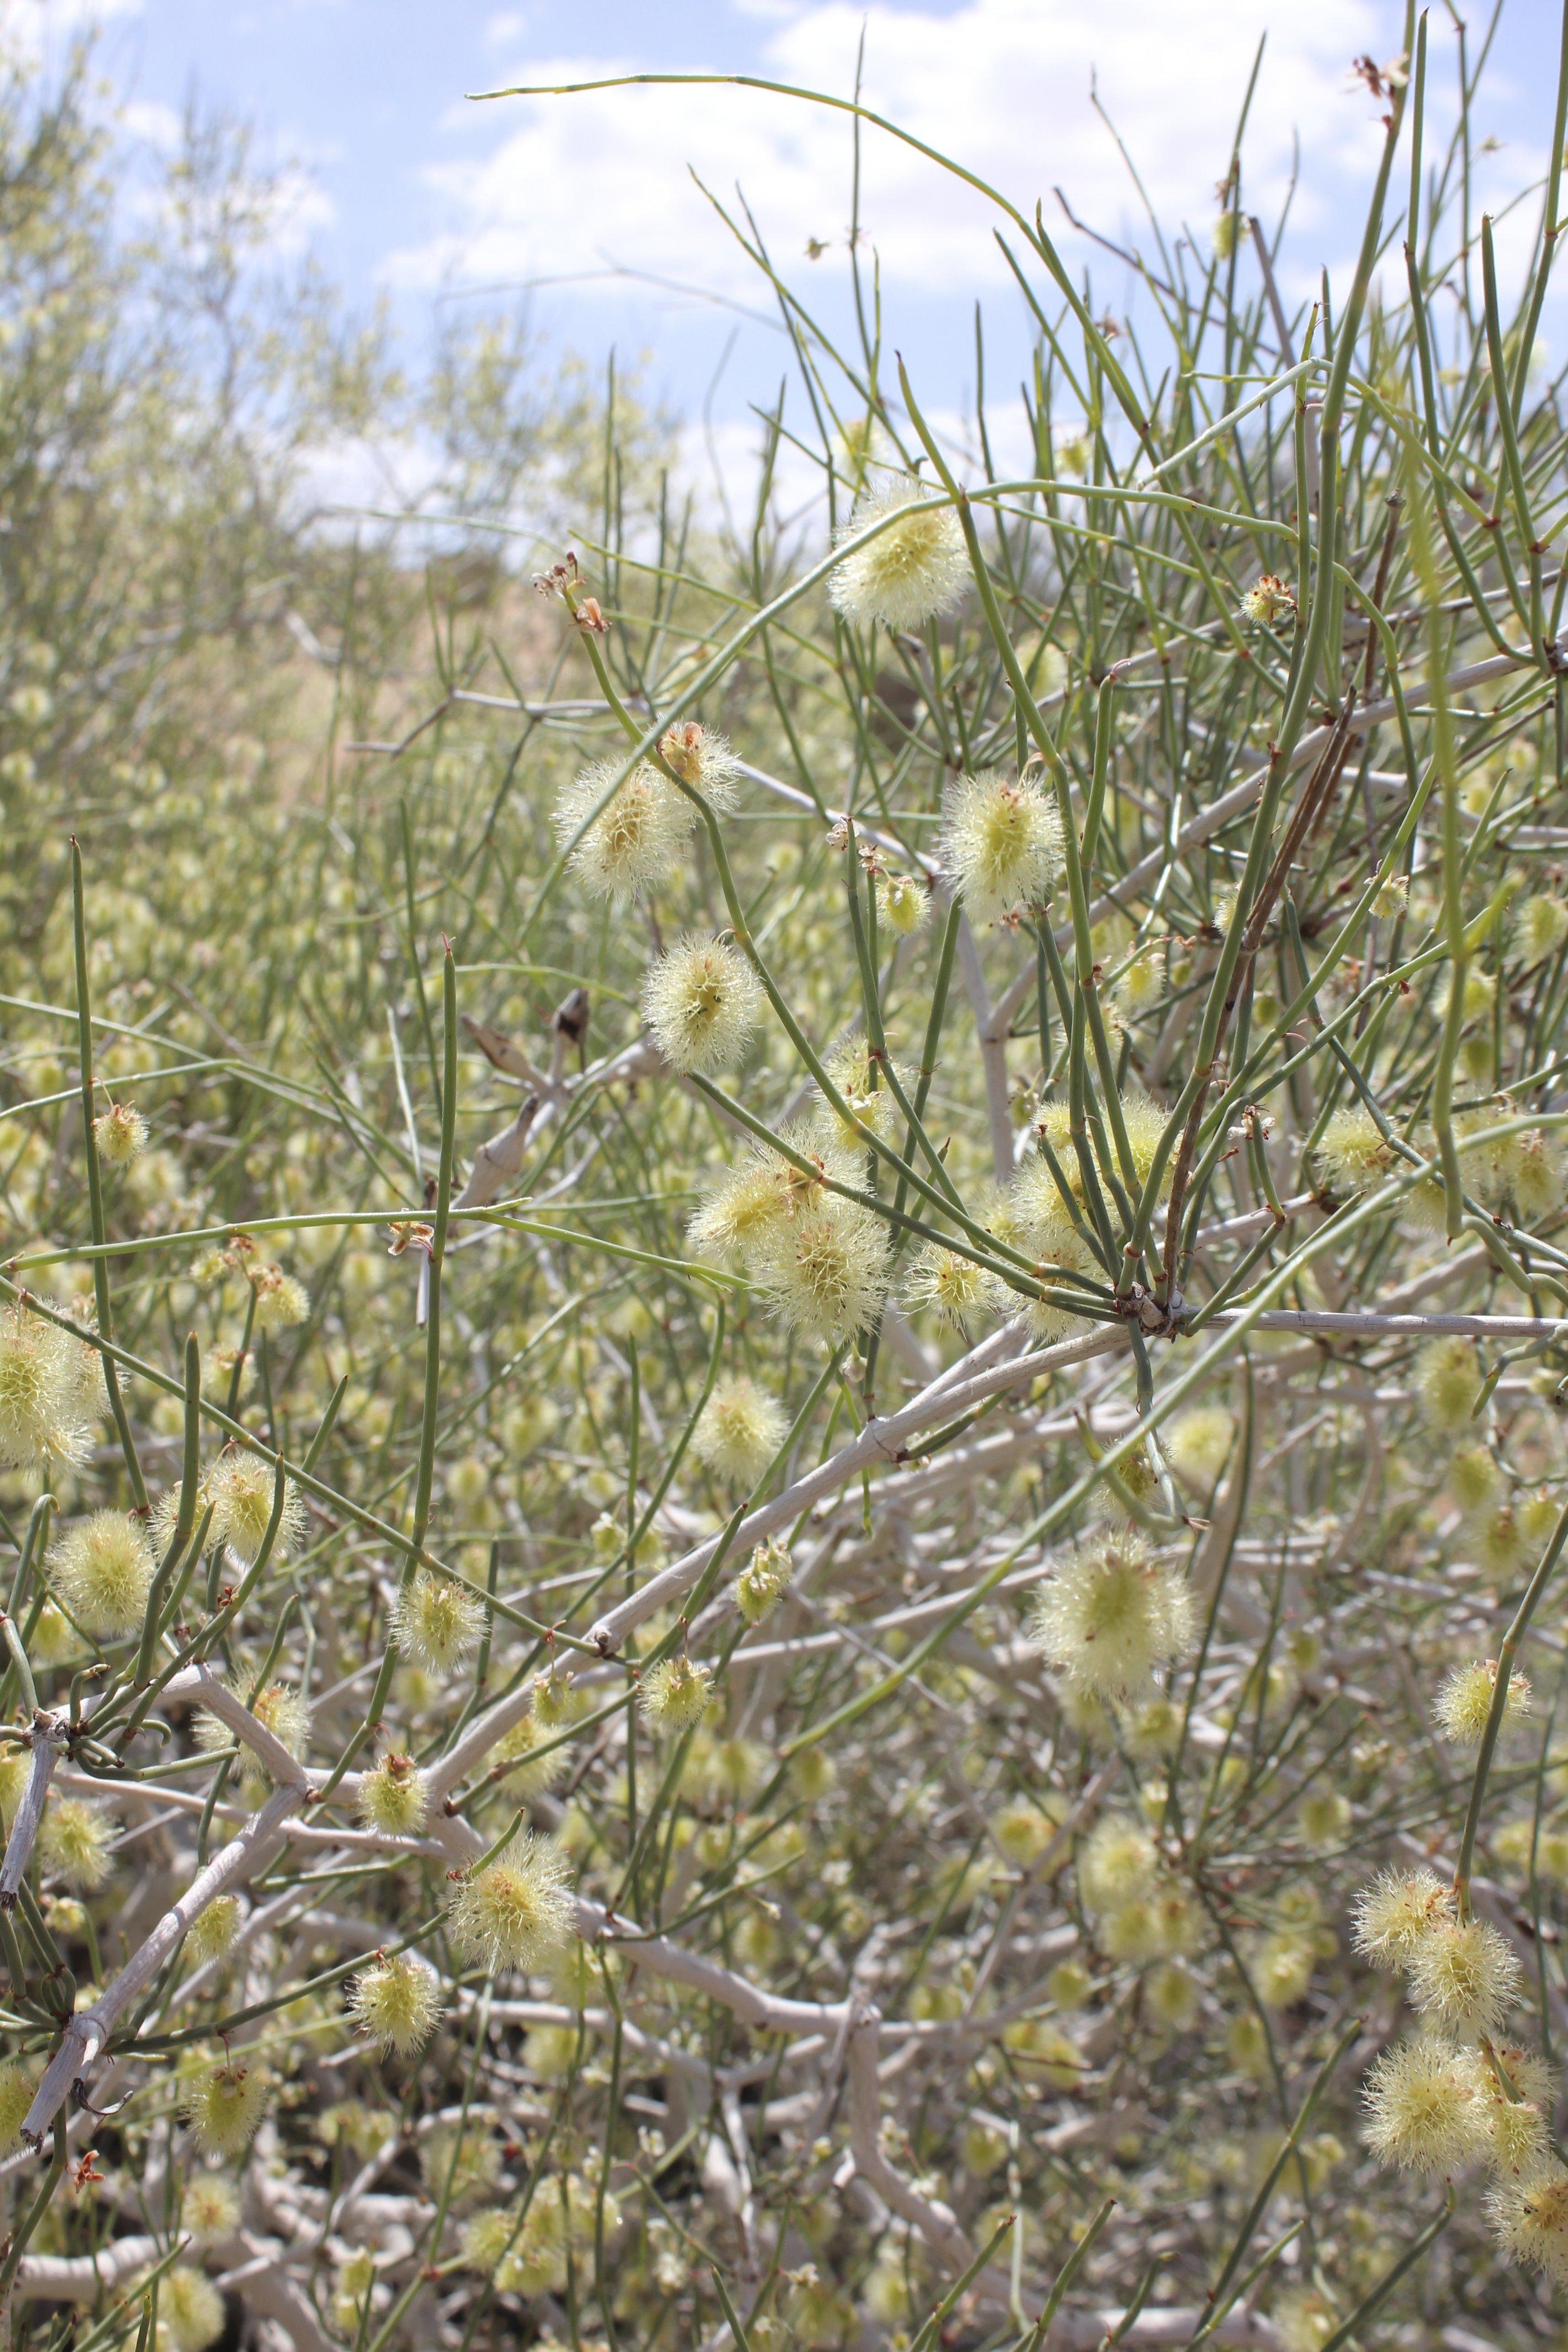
913	570
703	758
1268	602
763	1581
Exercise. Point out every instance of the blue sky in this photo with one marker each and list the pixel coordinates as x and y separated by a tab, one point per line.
413	191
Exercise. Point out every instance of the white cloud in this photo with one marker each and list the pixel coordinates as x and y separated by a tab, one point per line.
1003	86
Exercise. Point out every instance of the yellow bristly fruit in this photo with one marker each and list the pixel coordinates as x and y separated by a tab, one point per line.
121	1134
75	1840
393	1798
395	2003
675	1693
1001	843
435	1622
701	1001
1464	1702
1110	1615
191	2309
913	570
224	2106
518	1909
738	1431
1422	2111
103	1569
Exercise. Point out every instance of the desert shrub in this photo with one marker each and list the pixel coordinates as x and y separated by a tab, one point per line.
780	1370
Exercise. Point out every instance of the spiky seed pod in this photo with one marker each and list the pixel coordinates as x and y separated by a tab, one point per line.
526	1774
518	1909
1529	2218
487	2238
1145	1125
1536	1173
1117	1864
1352	1151
555	1702
750	1206
210	2208
630	844
1421	2108
1396	1913
702	758
393	1797
1464	1702
1463	1975
828	1273
121	1134
435	1622
1540	928
1282	1967
762	1583
395	2003
1323	1818
103	1569
43	1414
953	1288
224	2106
75	1840
191	2309
1110	1615
212	1930
1197	1446
279	1709
904	902
1001	843
1474	1481
17	2088
675	1693
1447	1380
1140	988
1513	2106
702	1001
911	571
738	1431
240	1488
281	1302
1173	1996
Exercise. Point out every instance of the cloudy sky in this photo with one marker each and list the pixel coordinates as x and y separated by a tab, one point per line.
587	206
